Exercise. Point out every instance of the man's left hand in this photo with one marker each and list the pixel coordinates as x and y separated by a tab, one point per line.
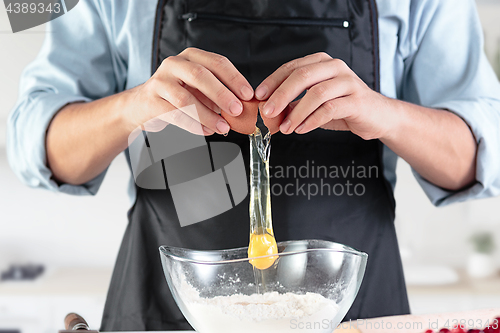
336	98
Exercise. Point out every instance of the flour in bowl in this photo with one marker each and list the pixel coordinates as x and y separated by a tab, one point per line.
271	312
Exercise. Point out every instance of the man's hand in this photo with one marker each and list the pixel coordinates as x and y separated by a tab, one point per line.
336	98
83	138
207	80
436	143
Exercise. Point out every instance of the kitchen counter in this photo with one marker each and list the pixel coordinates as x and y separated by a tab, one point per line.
62	281
83	290
465	284
408	323
40	306
420	323
465	294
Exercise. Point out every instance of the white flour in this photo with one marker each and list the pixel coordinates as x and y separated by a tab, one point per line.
269	312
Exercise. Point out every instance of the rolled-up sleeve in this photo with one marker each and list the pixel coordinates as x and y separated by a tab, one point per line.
76	64
446	68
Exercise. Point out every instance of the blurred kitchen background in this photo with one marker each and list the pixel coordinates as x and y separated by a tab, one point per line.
69	243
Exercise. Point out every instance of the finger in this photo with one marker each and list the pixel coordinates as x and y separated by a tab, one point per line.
332	111
293	104
275	79
179	97
336	125
204	99
154	125
223	69
175	117
314	98
158	123
180	119
300	79
199	77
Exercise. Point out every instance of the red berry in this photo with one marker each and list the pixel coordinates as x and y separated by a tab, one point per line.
429	331
444	330
458	330
496	325
473	331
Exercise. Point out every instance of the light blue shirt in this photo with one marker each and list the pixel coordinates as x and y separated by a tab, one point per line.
431	54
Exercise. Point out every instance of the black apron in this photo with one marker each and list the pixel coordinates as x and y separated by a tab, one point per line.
258	36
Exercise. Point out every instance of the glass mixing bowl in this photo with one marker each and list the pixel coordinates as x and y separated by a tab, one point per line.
310	287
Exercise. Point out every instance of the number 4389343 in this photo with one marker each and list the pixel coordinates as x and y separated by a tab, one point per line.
33	8
469	326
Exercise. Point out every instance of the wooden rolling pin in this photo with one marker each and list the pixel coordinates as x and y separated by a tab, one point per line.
74	322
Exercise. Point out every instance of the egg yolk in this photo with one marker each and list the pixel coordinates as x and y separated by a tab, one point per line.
261	245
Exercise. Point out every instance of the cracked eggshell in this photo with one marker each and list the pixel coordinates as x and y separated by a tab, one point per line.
245	123
273	124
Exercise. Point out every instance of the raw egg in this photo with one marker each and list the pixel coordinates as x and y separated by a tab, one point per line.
246	121
261	245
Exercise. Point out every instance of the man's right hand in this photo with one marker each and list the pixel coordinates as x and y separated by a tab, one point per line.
83	138
207	80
